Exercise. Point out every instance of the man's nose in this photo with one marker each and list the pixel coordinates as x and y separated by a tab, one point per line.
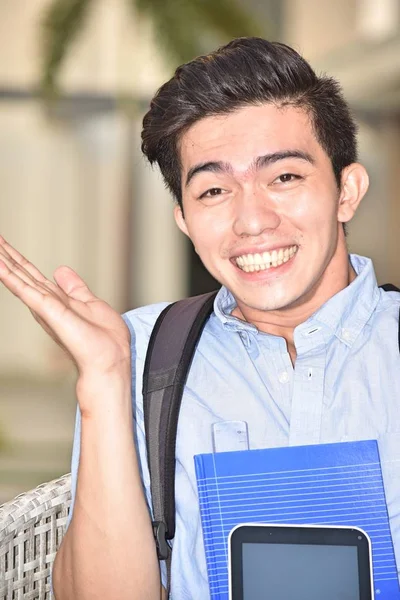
255	213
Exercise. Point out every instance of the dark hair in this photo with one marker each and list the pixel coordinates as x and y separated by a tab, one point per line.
247	71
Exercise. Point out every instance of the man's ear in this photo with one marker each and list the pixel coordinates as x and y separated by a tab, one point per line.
354	184
180	219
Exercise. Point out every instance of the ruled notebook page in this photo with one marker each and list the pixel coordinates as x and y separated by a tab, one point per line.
331	484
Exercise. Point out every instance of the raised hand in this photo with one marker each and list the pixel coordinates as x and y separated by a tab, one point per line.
92	333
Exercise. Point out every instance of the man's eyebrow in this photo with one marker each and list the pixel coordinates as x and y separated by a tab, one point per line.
258	163
211	167
268	159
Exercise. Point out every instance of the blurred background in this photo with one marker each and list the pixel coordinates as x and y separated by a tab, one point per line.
76	77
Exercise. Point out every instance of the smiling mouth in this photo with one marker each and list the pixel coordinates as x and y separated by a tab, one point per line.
267	260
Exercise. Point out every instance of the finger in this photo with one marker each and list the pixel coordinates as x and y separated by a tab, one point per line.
21	260
44	286
60	322
17	270
28	293
67	328
32	276
49	331
73	285
32	294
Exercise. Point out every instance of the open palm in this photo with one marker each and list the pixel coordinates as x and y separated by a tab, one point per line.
91	332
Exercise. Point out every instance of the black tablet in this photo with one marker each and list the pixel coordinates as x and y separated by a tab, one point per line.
290	562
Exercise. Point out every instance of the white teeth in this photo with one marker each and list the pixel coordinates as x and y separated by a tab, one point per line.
266	257
286	254
260	262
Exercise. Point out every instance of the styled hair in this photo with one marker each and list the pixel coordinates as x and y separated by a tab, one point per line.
247	71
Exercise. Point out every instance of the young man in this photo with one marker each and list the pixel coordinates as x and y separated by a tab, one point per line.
260	154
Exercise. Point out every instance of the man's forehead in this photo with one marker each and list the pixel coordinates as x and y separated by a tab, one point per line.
246	133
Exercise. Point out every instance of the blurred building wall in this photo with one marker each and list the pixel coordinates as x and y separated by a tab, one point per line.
75	189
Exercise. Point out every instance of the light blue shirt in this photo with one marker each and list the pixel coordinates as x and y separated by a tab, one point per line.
345	386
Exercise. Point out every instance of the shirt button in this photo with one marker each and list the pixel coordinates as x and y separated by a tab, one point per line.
346	334
283	377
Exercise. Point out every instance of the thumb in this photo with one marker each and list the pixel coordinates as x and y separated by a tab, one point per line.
73	285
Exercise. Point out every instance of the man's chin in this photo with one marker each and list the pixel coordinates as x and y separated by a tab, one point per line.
267	304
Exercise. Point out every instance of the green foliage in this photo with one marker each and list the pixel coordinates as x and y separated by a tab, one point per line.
184	28
62	22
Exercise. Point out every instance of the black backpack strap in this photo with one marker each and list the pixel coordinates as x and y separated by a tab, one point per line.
169	356
389	287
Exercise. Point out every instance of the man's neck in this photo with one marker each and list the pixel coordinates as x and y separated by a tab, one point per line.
282	323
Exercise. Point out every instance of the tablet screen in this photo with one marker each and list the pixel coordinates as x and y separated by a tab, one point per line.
300	572
299	562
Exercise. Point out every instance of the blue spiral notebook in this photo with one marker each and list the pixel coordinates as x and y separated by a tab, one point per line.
333	484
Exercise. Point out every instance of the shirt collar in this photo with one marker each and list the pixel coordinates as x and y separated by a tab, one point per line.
347	312
224	304
344	315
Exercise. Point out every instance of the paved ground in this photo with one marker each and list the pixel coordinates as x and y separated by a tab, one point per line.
36	430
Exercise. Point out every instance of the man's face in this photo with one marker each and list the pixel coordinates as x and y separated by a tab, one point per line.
261	205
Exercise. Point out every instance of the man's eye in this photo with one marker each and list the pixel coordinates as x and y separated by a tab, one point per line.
287	178
212	192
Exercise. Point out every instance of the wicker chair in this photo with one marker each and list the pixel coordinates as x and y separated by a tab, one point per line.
31	529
